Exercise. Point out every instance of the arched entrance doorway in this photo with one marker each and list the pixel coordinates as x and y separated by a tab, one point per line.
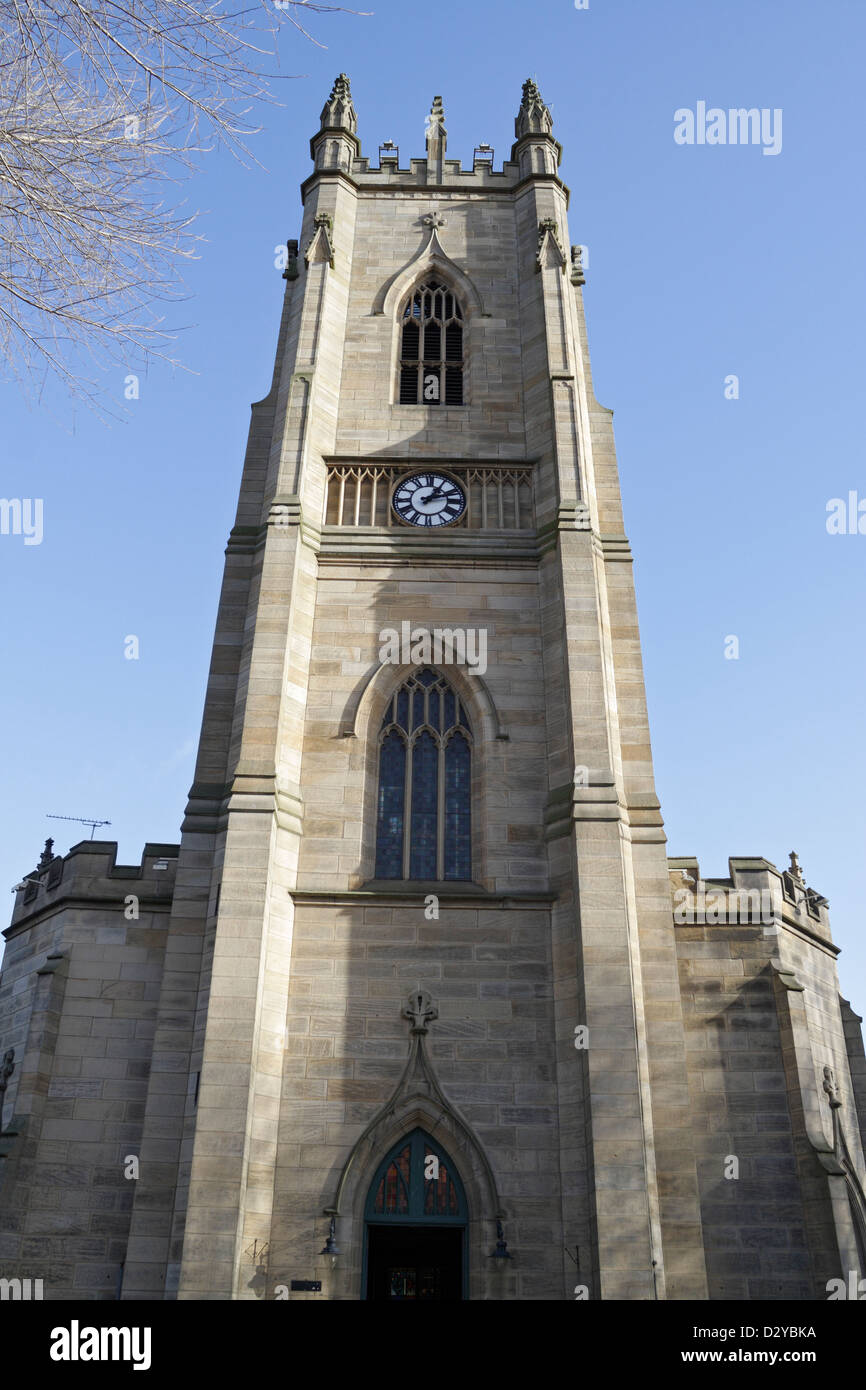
415	1225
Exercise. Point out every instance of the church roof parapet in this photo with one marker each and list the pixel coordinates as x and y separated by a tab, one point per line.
339	118
89	873
755	884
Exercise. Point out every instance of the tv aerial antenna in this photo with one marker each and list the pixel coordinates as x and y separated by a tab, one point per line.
81	820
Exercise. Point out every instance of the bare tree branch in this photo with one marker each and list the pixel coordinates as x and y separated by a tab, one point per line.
105	109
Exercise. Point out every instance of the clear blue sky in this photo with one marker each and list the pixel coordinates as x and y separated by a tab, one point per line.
703	261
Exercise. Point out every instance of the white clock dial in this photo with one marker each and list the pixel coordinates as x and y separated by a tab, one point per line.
429	499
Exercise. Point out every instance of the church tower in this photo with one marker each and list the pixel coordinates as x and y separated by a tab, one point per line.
425	769
419	1007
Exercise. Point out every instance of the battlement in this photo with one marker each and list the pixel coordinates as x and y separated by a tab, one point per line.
336	149
482	173
89	873
754	891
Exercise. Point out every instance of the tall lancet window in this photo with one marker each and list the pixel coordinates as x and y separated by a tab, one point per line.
431	347
423	822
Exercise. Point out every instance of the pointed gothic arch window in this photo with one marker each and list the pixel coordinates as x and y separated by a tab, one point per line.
431	347
417	1181
425	754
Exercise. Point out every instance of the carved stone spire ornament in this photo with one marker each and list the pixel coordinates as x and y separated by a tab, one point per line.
47	855
534	117
437	135
795	869
437	141
321	246
550	253
338	112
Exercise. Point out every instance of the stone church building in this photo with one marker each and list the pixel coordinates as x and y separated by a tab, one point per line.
419	1007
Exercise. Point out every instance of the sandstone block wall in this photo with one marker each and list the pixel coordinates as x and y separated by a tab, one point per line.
769	1229
78	999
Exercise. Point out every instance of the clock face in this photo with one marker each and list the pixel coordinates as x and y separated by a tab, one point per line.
429	499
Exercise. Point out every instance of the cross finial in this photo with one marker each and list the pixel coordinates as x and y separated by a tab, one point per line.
420	1011
433	219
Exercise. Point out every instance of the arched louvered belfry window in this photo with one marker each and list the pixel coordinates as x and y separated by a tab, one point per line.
417	1182
425	763
431	347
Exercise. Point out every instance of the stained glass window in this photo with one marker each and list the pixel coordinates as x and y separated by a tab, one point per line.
392	1192
457	847
425	784
425	802
392	778
417	1181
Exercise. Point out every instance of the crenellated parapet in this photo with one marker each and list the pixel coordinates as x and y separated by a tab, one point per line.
336	149
755	890
89	875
